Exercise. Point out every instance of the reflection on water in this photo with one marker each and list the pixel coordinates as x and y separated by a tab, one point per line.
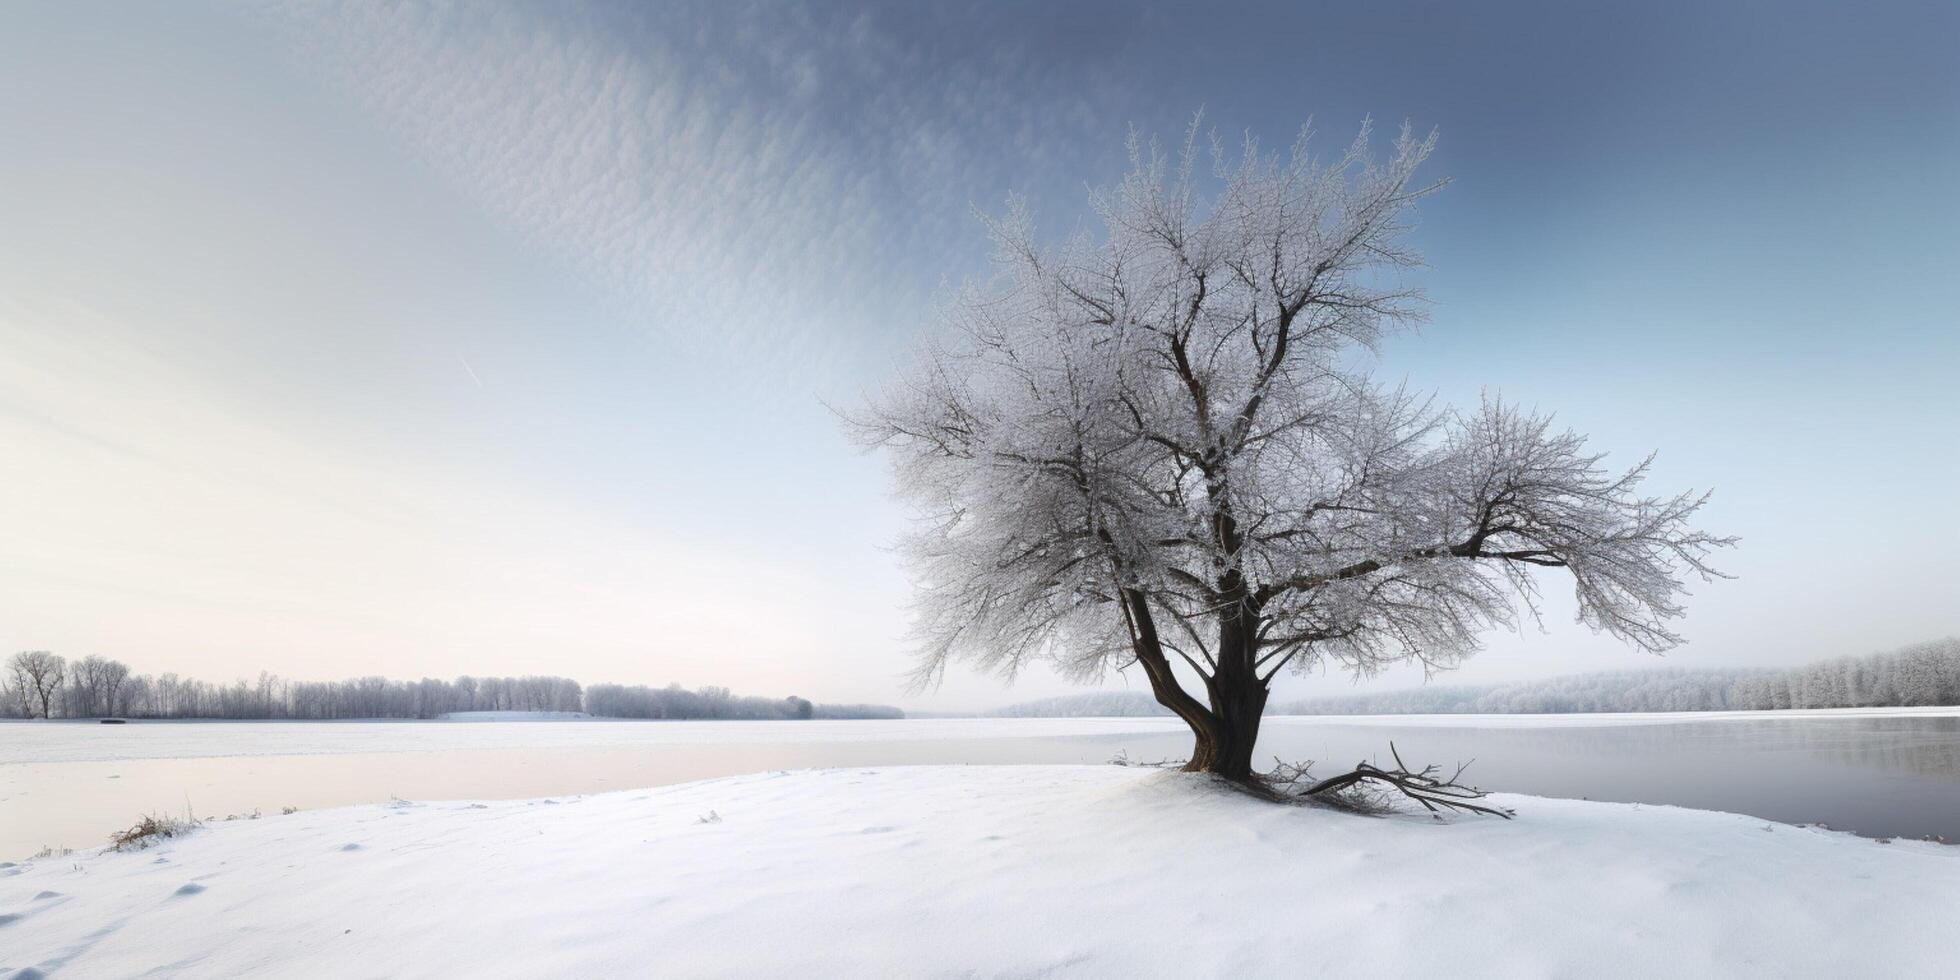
1879	776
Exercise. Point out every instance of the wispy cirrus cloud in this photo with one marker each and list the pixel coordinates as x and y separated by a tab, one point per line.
775	185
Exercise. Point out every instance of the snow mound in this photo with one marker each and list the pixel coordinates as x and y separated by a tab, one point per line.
1078	871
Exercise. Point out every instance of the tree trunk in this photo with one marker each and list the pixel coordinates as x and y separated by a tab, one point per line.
1149	650
1225	731
1238	700
1225	749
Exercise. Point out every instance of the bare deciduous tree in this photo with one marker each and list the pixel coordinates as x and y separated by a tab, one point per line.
37	675
113	678
94	684
1155	443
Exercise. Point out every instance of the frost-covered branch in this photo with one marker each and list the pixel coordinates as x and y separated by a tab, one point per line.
1163	423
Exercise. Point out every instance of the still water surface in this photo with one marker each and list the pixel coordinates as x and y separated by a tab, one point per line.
71	785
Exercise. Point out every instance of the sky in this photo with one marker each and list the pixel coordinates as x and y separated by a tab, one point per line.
340	339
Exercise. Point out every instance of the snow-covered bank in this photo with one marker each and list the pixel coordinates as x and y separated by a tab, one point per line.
45	742
1596	719
50	742
928	871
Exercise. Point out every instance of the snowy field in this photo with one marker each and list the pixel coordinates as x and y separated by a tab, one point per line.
1081	871
1880	773
41	742
26	742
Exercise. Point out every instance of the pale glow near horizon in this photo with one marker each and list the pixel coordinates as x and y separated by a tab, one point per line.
338	341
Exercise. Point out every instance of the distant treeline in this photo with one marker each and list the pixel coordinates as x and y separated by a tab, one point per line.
1094	704
1925	674
1920	675
617	701
38	684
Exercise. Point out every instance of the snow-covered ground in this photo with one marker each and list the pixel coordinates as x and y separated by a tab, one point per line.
1095	871
40	742
33	742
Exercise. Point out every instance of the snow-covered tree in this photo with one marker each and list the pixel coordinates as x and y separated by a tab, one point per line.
94	686
13	700
1158	441
37	676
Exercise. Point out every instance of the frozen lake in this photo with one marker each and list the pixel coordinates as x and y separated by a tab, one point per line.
1876	772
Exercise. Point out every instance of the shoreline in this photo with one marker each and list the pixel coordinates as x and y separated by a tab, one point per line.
1061	870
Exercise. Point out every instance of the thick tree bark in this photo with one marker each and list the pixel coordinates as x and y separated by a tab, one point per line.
1149	649
1226	730
1237	708
1238	698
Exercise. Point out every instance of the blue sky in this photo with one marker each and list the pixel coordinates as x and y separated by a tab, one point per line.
347	338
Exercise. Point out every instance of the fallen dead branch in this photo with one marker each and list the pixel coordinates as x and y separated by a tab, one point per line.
1122	758
1371	789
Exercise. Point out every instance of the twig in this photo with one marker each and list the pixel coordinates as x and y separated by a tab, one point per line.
1425	786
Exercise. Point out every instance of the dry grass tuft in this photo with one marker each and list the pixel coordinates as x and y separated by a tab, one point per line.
150	829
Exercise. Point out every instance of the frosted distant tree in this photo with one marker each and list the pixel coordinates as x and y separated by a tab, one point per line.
13	700
1155	444
93	686
111	678
37	674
